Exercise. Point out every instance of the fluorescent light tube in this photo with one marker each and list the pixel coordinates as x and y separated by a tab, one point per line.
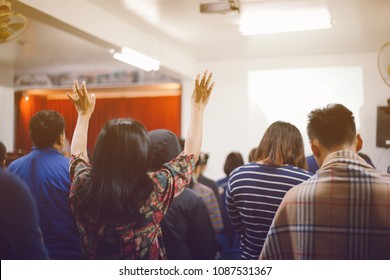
137	59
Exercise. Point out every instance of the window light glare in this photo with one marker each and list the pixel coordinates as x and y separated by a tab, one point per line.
269	21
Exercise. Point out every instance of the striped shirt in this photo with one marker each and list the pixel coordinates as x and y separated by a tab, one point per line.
342	212
253	196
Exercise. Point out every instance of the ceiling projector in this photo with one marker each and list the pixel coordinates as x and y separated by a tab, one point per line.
220	7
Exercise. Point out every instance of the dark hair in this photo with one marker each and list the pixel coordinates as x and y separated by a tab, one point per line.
120	183
281	144
3	151
45	128
233	160
164	147
332	125
202	160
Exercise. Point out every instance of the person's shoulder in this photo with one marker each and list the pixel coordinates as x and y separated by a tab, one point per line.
379	176
17	162
64	161
207	181
302	189
246	171
11	183
188	198
222	180
252	166
190	193
292	194
202	188
298	171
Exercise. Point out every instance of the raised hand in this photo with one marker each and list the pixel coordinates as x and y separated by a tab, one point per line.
199	100
202	90
82	100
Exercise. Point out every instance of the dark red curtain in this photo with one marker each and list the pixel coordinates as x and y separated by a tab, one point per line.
152	112
25	110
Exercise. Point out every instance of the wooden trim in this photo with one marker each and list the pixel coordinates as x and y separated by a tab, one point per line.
155	90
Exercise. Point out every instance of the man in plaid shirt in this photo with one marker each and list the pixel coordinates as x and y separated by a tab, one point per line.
342	212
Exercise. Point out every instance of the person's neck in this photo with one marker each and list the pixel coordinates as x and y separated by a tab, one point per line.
334	149
57	147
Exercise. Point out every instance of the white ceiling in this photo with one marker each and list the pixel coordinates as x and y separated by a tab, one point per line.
358	26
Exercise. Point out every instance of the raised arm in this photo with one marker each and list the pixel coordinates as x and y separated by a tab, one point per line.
85	104
199	100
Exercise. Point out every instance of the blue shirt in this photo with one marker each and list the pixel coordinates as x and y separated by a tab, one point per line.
254	193
46	173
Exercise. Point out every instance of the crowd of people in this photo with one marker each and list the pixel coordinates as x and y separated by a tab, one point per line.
143	195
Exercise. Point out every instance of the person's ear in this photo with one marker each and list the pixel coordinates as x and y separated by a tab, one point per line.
61	139
315	149
359	143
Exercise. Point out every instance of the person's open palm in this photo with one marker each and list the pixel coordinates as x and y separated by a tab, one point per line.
82	100
202	90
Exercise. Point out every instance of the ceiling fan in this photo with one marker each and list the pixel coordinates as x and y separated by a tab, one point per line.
12	24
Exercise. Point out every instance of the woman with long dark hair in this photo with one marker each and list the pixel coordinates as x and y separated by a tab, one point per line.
118	205
255	190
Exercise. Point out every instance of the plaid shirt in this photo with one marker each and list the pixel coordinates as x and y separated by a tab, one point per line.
134	240
343	212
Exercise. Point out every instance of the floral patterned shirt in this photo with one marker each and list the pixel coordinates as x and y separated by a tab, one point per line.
135	240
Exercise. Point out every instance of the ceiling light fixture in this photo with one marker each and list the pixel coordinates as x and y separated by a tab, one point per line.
137	59
283	16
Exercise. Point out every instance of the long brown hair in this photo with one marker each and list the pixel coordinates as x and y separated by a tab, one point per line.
119	182
281	144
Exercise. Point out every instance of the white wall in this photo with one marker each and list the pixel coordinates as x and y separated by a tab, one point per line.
233	124
7	117
7	114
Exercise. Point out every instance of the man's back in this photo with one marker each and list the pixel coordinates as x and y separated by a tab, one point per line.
46	173
340	213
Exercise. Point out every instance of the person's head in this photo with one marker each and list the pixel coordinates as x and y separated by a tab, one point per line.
201	164
3	152
47	130
252	155
331	129
281	144
233	160
164	147
120	183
